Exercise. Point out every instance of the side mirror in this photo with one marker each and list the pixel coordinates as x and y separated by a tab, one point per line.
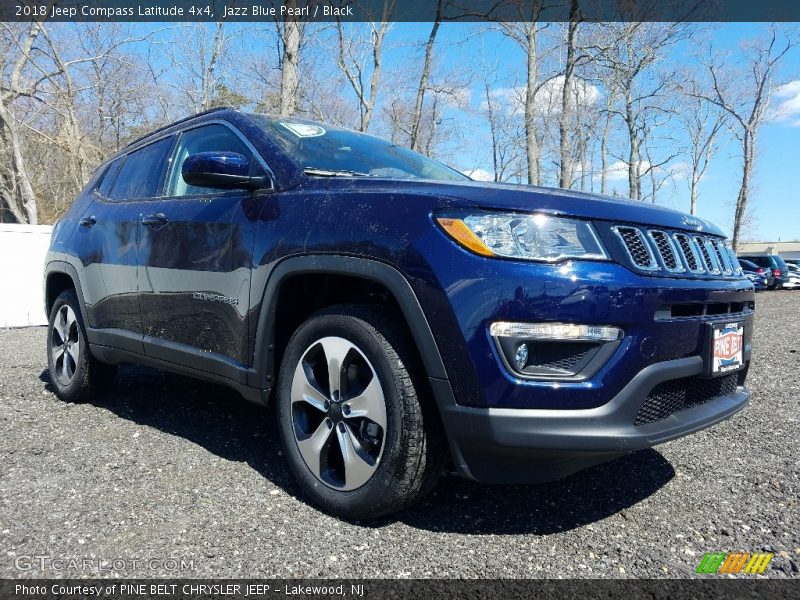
226	170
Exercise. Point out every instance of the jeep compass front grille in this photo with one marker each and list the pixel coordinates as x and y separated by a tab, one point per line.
679	394
664	252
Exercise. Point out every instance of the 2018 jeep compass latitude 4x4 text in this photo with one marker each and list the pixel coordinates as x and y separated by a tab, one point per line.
397	312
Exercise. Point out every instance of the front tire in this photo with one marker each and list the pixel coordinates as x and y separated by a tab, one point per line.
76	376
358	438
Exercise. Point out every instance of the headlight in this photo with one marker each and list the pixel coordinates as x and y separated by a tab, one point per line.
527	237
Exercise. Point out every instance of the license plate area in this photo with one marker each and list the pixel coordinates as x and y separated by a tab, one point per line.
726	348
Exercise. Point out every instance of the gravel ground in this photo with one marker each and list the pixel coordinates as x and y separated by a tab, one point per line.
169	468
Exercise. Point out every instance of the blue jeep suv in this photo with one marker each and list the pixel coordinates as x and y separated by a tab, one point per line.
396	312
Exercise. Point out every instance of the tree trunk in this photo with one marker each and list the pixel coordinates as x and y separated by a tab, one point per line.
292	37
492	130
693	190
634	181
416	118
209	83
23	202
565	175
748	152
604	155
531	145
375	80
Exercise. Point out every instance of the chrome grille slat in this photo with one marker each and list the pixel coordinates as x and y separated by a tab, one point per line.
737	268
635	244
709	255
690	255
666	250
722	255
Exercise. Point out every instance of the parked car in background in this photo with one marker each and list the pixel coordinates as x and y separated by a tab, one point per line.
760	276
774	263
759	281
794	277
396	312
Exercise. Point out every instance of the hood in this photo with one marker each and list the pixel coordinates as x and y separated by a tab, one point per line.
525	198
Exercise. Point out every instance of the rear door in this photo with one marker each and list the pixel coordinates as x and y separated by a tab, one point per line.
195	252
106	243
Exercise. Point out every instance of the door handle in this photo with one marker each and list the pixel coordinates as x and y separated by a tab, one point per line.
155	221
88	221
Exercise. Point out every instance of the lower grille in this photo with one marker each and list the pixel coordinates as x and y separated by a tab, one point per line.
558	356
674	396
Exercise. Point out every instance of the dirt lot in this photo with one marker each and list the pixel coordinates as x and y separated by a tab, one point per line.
171	477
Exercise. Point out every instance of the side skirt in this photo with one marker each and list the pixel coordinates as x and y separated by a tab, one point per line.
117	356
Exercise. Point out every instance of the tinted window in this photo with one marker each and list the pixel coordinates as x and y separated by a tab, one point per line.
747	265
107	180
322	150
210	138
761	261
141	173
779	261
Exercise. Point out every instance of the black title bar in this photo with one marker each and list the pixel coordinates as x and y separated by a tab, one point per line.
396	10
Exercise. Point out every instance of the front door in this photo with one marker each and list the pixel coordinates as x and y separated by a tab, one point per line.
195	263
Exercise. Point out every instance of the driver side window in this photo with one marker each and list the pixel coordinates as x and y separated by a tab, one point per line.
208	138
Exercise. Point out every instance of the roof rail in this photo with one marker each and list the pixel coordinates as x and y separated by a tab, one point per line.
178	122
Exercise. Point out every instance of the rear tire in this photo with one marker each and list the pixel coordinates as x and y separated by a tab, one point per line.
373	446
76	376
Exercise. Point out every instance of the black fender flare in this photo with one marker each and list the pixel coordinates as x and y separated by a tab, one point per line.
334	264
62	267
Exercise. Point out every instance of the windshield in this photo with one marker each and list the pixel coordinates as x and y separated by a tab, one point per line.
324	151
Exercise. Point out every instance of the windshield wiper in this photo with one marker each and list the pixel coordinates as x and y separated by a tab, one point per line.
328	173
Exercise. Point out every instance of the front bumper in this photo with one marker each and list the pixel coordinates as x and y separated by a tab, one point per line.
505	445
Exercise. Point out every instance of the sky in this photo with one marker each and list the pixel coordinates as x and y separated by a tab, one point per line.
775	201
774	204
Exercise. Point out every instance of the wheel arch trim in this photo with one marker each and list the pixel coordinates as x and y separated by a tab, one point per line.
60	267
333	264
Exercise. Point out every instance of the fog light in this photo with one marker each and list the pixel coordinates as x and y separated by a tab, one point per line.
556	331
521	356
552	351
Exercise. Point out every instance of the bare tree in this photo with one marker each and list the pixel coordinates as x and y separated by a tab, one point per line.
492	118
17	190
702	122
416	117
744	94
196	54
631	51
357	58
611	88
290	33
658	150
525	32
564	133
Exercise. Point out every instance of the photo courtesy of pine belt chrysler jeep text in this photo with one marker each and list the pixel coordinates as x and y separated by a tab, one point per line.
397	313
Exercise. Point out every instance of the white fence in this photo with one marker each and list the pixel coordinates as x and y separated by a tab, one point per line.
22	252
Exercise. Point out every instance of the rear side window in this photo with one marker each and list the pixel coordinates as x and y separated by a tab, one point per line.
761	261
107	180
142	172
748	265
